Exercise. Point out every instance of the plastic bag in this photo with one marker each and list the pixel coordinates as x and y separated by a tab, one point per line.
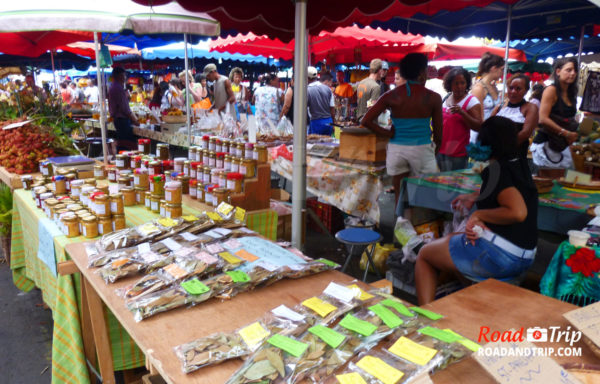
335	301
284	127
404	231
282	151
380	256
366	327
371	365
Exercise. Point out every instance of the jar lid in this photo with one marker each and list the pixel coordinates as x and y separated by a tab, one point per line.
167	205
137	158
89	219
139	189
155	163
144	141
211	153
69	217
220	154
183	178
162	145
116	196
46	195
173	185
234	176
26	177
99	166
76	183
127	189
220	190
195	164
193	182
205	137
250	145
163	201
215	171
125	172
118	216
212	187
213	138
148	194
58	178
40	189
218	141
180	159
140	171
158	178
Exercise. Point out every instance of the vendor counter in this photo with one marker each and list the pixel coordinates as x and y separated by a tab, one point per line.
560	210
37	247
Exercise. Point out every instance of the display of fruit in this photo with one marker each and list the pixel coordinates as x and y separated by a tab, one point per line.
591	152
589	131
173	112
22	148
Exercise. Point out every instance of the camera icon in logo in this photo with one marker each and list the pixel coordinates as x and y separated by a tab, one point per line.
537	334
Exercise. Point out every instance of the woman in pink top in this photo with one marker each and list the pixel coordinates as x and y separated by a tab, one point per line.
462	112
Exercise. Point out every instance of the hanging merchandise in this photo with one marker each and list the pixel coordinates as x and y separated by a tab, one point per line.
105	58
591	93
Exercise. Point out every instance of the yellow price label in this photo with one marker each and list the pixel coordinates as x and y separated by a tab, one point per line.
350	378
240	214
253	334
228	257
166	222
214	216
362	295
225	208
321	307
412	351
189	218
380	369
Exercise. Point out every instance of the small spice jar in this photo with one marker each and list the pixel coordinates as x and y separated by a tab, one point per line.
239	150
116	204
71	225
205	140
235	164
122	161
162	151
248	168
193	188
212	143
76	187
167	165
193	169
70	178
225	146
234	182
206	175
147	200
154	168
27	181
102	187
208	195
89	225
128	196
227	163
140	178
212	159
260	154
220	195
222	178
249	150
200	192
186	168
58	215
91	181
218	145
173	211
173	192
157	185
136	162
46	168
104	225
99	172
192	154
220	160
162	204
111	173
198	154
60	185
214	175
154	204
140	196
144	146
185	184
232	148
102	205
205	153
179	162
118	222
49	206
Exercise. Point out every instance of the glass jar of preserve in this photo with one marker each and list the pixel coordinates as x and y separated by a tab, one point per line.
102	187
193	169
248	168
154	168
136	162
144	146
50	204
90	227
185	184
200	192
192	154
208	195
118	222
227	163
239	150
76	187
173	192
205	153
26	180
212	159
161	211
220	195
234	182
220	162
90	181
140	196
212	143
193	188
148	200
222	177
128	196
60	185
157	185
70	178
260	154
235	164
104	225
162	151
214	175
218	145
225	146
167	165
173	211
123	182
198	154
122	161
102	205
178	164
206	175
249	151
232	148
70	223
99	172
205	140
46	168
111	173
186	168
140	178
155	204
116	204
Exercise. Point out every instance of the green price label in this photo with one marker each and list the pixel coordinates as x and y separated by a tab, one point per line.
194	287
387	316
291	346
439	334
398	306
328	262
427	313
328	335
238	276
357	325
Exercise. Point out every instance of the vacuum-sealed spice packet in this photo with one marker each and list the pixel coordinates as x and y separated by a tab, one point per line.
376	367
335	301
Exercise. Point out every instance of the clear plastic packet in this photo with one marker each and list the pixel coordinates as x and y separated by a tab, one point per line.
310	268
367	327
100	259
411	320
220	347
119	268
335	301
376	367
242	281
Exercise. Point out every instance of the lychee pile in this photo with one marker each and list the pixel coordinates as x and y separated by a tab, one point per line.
22	148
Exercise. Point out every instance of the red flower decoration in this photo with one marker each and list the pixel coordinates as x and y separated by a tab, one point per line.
584	260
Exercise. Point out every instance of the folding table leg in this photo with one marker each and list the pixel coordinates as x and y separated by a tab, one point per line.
86	332
370	262
348	258
101	339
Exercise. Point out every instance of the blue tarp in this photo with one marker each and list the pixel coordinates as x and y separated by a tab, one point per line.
541	49
176	51
531	19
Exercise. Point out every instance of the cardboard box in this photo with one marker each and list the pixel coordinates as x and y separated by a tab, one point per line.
280	195
363	147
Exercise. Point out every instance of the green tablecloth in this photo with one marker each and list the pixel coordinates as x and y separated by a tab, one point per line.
560	210
62	293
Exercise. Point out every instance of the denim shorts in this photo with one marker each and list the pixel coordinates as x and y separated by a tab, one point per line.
485	260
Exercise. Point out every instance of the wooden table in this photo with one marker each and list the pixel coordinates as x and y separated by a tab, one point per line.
12	179
497	305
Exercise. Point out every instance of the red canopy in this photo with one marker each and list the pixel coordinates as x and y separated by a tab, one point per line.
454	52
277	17
34	44
87	49
339	46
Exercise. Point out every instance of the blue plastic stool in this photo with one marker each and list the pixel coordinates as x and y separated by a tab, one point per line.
361	238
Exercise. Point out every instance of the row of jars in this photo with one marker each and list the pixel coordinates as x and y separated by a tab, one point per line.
233	149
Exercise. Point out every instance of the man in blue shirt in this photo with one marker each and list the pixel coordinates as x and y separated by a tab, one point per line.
320	103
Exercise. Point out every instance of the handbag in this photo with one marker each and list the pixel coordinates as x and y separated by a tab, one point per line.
555	142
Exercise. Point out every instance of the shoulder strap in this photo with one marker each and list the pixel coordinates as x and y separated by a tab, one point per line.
466	103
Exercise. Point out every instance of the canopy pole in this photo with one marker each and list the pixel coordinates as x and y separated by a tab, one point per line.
53	70
299	163
580	46
187	90
100	81
506	51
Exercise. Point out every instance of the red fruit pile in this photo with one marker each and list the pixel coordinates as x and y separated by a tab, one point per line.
22	148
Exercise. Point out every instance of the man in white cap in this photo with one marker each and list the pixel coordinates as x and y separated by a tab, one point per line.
384	71
223	94
320	103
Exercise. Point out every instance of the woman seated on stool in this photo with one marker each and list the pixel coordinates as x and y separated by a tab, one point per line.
501	234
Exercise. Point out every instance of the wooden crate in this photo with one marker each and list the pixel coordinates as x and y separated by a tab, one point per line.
363	147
